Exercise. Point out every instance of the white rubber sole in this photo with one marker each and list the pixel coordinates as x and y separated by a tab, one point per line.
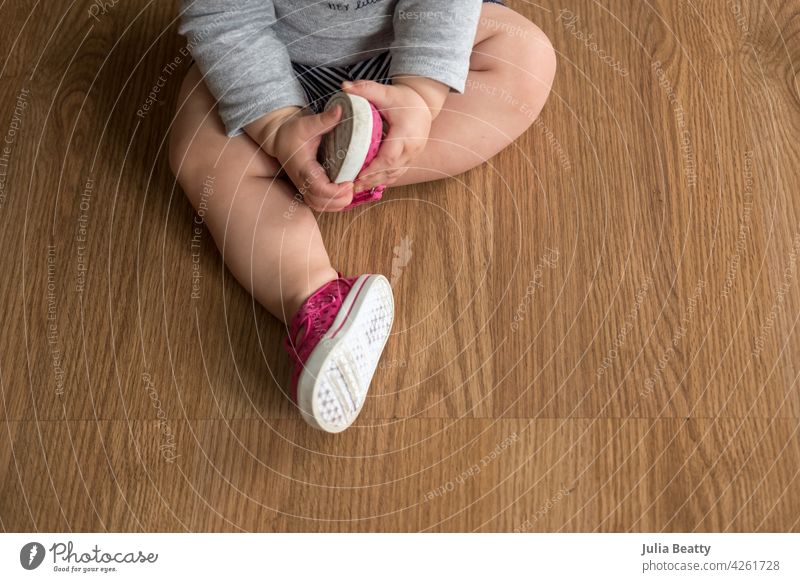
334	383
360	119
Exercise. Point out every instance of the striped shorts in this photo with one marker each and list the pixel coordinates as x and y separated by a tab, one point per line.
319	83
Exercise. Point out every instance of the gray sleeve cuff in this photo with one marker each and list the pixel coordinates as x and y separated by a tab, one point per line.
432	68
236	116
434	39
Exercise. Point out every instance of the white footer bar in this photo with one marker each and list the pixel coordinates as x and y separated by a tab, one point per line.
389	557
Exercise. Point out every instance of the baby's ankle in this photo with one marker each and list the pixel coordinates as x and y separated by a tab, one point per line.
311	281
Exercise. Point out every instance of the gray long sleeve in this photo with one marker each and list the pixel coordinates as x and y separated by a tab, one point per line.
244	64
434	38
245	48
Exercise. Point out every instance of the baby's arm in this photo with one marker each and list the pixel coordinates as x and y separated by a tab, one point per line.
247	69
431	52
244	64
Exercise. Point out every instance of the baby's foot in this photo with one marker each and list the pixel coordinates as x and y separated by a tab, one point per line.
353	144
336	340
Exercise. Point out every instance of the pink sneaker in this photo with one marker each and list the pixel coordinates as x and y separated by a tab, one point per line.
353	144
336	340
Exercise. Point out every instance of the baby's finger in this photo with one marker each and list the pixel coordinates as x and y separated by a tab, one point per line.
328	204
312	126
319	186
378	93
310	177
390	157
386	178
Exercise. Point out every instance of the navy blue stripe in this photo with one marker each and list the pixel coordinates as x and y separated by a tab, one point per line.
368	70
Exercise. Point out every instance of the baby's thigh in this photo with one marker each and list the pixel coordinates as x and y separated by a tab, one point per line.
199	148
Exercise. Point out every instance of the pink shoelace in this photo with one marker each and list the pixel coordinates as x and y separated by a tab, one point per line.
312	321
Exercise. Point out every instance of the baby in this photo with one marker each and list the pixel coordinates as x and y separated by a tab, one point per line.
455	82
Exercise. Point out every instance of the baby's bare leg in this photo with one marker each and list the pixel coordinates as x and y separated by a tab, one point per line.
268	238
511	73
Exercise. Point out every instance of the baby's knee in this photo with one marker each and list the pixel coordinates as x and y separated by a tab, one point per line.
188	159
534	64
196	161
541	58
177	156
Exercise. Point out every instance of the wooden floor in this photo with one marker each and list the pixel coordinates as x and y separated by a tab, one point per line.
597	331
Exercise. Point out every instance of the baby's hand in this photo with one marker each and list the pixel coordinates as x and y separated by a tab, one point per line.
292	137
409	117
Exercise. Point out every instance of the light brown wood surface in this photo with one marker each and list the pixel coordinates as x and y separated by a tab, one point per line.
597	331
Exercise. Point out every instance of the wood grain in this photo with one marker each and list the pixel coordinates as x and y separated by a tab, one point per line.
596	331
